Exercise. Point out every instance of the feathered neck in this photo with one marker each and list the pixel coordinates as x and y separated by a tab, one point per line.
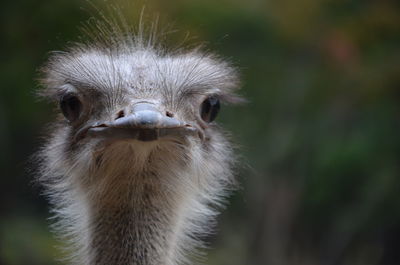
137	227
123	205
138	213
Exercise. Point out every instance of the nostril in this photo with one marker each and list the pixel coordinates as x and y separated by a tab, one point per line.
120	114
169	114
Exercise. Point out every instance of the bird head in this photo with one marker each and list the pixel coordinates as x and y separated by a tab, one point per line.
134	103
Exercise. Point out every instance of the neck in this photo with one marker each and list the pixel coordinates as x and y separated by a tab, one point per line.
134	224
137	234
148	212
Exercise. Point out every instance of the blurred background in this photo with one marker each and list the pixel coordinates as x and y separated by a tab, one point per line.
319	138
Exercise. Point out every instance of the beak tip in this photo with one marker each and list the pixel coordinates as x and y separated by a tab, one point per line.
146	123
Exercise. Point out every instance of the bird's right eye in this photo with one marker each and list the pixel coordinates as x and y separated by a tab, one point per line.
71	107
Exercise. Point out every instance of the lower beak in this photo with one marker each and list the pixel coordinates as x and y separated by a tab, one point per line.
140	134
146	123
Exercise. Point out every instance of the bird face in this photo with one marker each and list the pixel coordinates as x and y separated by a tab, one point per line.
137	95
142	120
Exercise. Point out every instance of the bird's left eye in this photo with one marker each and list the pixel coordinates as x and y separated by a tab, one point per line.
209	109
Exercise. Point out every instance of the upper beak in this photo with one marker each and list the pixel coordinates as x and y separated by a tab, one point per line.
145	123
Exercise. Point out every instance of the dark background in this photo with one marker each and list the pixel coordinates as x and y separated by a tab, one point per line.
319	137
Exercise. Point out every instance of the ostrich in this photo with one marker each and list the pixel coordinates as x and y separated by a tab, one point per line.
135	165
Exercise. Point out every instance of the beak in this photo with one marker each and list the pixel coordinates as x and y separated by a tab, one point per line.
145	123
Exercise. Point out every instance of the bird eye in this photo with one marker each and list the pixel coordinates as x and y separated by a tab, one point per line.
71	107
209	109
